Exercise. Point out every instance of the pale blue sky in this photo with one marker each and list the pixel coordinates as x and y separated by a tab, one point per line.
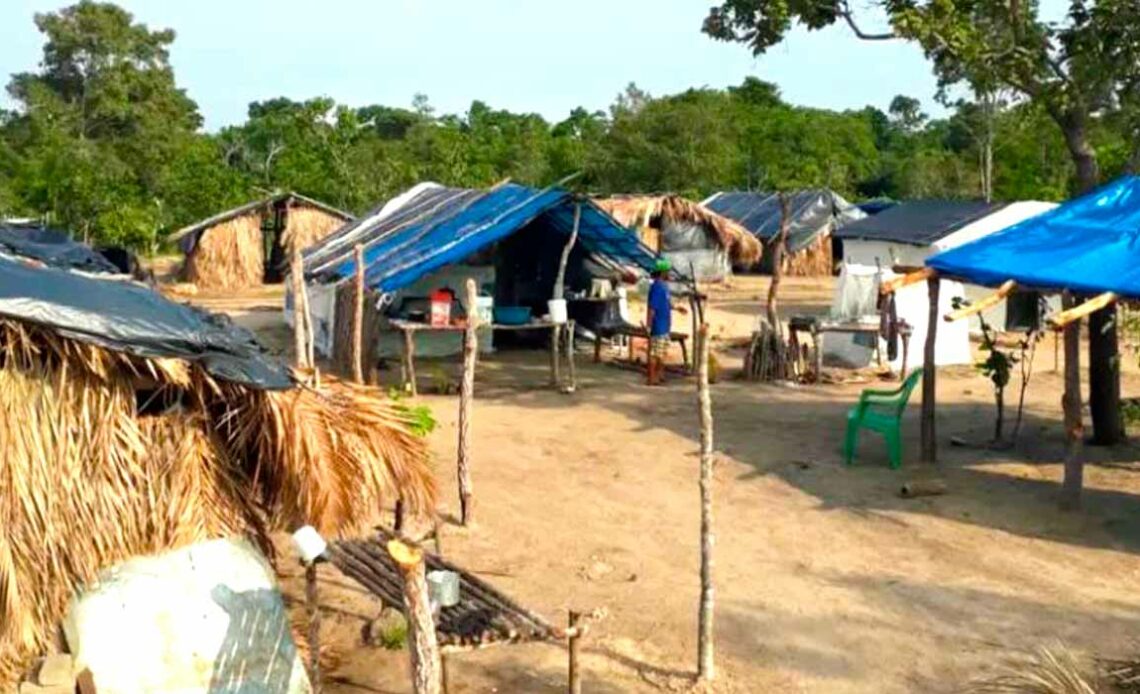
524	55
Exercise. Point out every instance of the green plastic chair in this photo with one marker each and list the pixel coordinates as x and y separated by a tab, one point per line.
881	411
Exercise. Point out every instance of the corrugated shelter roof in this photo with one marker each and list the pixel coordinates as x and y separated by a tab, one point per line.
919	222
128	317
812	212
433	226
253	206
643	210
52	247
1089	244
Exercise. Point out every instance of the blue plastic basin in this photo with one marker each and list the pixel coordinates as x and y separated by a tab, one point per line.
512	315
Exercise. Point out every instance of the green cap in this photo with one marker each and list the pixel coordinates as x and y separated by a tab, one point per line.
662	265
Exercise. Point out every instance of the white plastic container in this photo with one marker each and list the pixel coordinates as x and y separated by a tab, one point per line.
557	309
443	588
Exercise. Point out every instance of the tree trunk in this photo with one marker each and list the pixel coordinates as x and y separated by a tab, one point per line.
778	268
705	664
427	675
466	398
1071	403
999	423
1104	375
1104	378
929	374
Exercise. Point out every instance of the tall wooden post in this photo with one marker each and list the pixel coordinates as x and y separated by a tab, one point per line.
297	283
358	317
706	668
560	293
466	398
427	674
929	374
1071	404
314	613
1104	377
410	362
575	638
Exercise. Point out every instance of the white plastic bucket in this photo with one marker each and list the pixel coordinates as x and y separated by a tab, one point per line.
557	309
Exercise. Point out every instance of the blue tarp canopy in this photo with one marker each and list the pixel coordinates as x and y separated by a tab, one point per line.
1090	244
442	226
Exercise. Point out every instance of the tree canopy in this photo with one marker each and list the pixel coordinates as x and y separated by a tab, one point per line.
103	141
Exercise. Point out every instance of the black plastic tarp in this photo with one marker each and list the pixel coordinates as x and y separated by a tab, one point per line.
53	248
128	317
811	212
919	222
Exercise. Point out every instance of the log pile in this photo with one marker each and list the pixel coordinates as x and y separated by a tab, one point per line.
769	356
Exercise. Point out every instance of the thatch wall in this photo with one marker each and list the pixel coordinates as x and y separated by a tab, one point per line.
87	482
229	255
814	260
304	226
637	211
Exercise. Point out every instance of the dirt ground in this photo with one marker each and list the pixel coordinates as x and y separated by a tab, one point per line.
826	580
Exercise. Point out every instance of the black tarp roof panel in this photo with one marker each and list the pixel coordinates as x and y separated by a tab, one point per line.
919	222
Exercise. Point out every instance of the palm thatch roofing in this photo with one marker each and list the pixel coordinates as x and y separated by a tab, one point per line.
637	211
260	206
132	425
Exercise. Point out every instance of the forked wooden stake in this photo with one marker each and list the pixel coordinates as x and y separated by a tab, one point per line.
466	398
705	663
1060	320
893	285
358	317
427	672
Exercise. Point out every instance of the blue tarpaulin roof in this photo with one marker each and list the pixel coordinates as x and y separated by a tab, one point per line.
1089	244
440	226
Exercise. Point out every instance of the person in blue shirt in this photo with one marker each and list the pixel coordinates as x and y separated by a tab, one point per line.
659	318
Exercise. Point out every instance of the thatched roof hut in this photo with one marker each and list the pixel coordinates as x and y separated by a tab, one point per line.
131	425
686	231
253	244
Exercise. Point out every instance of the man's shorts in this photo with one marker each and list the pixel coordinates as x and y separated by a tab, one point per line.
659	346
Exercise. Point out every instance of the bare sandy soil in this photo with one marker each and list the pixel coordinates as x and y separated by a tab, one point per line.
827	581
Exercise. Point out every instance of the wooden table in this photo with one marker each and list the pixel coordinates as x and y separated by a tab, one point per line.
816	327
410	328
639	332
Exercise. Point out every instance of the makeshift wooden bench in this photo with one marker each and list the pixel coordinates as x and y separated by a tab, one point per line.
640	332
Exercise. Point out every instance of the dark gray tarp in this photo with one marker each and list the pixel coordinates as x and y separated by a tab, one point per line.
53	248
811	212
919	222
128	317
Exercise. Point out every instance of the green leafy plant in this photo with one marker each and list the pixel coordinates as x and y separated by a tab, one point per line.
421	420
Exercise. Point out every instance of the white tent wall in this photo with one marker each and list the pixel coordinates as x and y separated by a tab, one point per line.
855	295
864	259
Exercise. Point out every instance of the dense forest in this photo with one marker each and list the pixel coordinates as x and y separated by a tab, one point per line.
103	142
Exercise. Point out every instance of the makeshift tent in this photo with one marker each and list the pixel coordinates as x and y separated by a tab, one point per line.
812	217
509	238
688	234
130	424
52	247
906	235
253	244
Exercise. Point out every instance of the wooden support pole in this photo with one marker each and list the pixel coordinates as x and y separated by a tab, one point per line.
575	675
560	294
571	366
1071	404
555	359
706	668
314	612
466	398
929	374
1059	320
427	675
906	354
306	311
358	317
897	283
410	362
983	304
297	282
